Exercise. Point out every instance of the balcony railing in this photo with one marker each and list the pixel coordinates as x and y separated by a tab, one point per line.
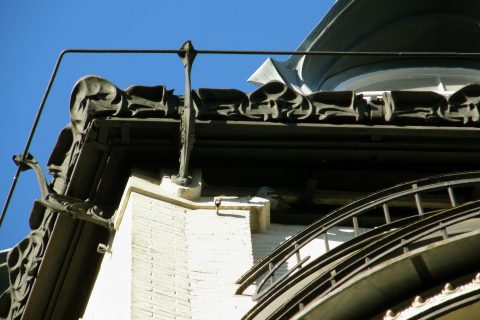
322	276
263	273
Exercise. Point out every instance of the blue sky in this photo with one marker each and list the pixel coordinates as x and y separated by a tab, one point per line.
32	34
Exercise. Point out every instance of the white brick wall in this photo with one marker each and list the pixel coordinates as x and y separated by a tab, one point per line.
219	252
185	262
160	278
177	259
182	263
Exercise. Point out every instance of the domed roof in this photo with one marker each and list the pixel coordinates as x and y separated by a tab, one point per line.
376	26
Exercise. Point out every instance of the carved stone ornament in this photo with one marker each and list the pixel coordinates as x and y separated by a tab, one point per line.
95	97
276	102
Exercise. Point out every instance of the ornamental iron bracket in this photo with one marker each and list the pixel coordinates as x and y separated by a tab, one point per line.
72	207
187	116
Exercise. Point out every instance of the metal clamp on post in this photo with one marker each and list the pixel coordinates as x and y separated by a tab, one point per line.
73	207
187	118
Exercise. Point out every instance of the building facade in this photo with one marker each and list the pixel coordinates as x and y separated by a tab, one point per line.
344	187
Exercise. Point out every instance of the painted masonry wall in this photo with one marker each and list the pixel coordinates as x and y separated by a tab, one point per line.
185	263
172	262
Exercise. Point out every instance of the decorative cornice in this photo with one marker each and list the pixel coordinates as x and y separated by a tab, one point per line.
94	97
276	102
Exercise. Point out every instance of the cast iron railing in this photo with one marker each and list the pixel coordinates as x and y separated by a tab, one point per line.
428	228
329	258
263	273
186	53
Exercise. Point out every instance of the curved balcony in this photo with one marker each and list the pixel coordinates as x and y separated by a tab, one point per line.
310	286
263	273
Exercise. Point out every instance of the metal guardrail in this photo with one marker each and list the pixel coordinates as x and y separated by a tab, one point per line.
185	51
395	243
329	258
264	271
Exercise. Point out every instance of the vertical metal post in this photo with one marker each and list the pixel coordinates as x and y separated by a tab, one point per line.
325	240
451	195
333	273
297	253
187	118
418	201
355	226
386	213
444	233
405	247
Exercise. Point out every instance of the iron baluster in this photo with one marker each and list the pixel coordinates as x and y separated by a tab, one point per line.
355	226
333	273
444	234
297	253
325	240
403	242
386	213
418	200
451	195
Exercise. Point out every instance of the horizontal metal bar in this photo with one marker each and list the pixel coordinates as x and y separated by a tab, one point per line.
424	54
238	52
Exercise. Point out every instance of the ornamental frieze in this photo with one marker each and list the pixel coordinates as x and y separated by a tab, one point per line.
276	102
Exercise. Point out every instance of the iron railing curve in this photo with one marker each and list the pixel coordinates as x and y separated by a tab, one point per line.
375	252
292	246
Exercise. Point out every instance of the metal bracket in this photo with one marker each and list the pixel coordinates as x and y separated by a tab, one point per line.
73	207
187	118
29	162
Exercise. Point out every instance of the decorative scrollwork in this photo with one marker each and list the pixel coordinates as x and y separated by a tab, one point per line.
463	106
23	262
277	102
343	106
93	97
412	107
